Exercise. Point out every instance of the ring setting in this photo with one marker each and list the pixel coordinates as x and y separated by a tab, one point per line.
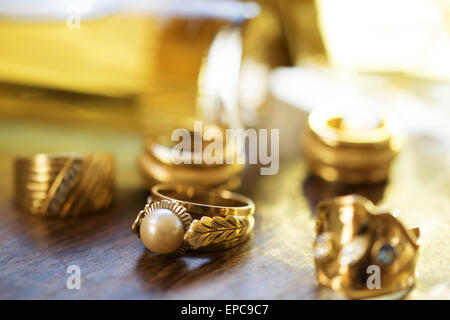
222	220
352	238
161	226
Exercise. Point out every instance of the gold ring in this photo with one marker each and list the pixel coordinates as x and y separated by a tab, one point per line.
160	148
159	164
205	202
337	152
363	251
180	218
64	185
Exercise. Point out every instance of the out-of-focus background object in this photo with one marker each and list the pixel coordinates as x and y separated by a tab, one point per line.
407	36
371	55
103	52
144	60
301	26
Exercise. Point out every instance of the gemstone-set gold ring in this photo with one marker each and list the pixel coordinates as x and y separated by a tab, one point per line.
179	218
363	251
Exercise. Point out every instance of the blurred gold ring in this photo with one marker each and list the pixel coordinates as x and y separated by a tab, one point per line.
160	148
64	185
339	153
222	220
158	163
362	250
154	172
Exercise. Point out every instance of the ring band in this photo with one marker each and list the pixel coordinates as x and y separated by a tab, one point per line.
64	184
205	202
222	220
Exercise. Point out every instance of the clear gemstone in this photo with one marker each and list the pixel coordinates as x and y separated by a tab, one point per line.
322	246
354	250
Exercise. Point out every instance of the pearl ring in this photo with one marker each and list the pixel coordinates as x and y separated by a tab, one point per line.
178	218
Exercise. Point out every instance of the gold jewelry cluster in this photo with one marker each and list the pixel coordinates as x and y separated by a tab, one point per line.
353	237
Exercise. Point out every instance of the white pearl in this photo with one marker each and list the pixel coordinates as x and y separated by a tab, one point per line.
162	231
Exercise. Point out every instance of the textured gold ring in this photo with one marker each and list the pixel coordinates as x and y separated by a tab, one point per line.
183	218
64	185
363	251
338	152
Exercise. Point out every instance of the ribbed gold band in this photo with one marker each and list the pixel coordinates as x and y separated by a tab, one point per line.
64	184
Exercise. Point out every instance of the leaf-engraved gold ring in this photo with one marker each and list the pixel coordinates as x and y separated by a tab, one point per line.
179	218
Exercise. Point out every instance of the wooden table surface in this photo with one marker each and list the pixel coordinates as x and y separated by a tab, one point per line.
276	264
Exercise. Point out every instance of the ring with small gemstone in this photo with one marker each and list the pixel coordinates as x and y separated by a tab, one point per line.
178	218
363	251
